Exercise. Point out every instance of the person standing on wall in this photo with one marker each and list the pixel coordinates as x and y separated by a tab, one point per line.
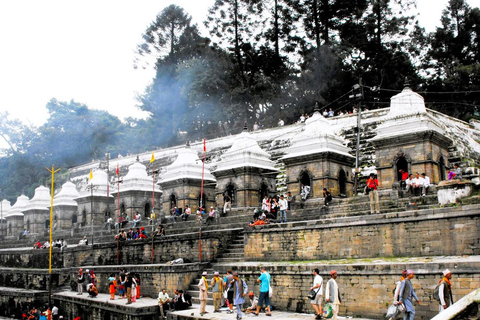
372	185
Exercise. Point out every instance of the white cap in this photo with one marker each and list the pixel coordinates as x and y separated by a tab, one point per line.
446	271
204	273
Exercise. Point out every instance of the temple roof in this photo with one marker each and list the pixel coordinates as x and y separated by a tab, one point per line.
41	199
245	152
137	179
187	166
406	102
407	115
5	207
318	137
19	206
99	184
67	195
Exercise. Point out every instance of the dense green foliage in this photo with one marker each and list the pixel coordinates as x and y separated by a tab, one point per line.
262	61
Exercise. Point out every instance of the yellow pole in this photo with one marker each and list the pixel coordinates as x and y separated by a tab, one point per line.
51	230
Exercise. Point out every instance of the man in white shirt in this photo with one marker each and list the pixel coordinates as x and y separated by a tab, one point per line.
417	184
305	192
163	301
318	288
136	219
283	209
332	294
211	216
409	184
426	184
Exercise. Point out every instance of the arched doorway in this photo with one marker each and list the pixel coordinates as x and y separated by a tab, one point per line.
263	191
84	218
305	179
231	192
28	225
202	201
74	218
441	169
173	201
342	182
401	163
47	223
147	209
9	229
122	208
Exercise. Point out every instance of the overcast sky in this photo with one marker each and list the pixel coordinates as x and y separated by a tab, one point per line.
84	50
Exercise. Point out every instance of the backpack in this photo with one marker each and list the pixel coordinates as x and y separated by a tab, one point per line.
436	294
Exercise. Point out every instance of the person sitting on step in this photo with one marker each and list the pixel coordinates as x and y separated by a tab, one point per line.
305	192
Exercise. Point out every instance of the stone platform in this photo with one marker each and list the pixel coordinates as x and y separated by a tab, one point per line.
194	314
101	307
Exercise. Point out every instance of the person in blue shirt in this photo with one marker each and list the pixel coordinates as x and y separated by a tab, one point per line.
264	281
405	296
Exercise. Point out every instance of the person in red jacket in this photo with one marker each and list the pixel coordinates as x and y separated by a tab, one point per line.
372	185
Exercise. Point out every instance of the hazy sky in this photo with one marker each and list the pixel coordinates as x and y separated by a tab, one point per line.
84	50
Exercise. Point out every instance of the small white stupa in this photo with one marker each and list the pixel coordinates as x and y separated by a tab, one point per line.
187	166
245	152
318	137
5	207
41	199
137	179
15	218
98	183
407	115
19	206
67	195
65	206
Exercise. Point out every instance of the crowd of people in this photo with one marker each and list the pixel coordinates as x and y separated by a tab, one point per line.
59	243
234	290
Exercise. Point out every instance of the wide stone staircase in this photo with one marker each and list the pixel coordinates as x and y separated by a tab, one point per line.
311	209
233	255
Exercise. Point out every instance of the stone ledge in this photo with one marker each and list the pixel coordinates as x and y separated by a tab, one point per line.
143	306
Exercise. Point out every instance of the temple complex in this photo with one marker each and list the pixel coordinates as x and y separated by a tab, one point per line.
427	234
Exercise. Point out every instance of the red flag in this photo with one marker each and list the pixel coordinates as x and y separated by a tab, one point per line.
117	170
204	146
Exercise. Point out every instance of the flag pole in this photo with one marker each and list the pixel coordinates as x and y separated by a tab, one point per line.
152	161
118	213
201	204
51	231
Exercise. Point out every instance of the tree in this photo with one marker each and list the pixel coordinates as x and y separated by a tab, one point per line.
376	47
162	37
16	135
453	62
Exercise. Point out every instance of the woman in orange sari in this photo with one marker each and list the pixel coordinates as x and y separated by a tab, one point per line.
137	279
112	286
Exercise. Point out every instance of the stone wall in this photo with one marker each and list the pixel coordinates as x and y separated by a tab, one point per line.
396	235
187	192
14	302
247	182
166	249
152	278
366	289
33	279
421	150
96	309
324	172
